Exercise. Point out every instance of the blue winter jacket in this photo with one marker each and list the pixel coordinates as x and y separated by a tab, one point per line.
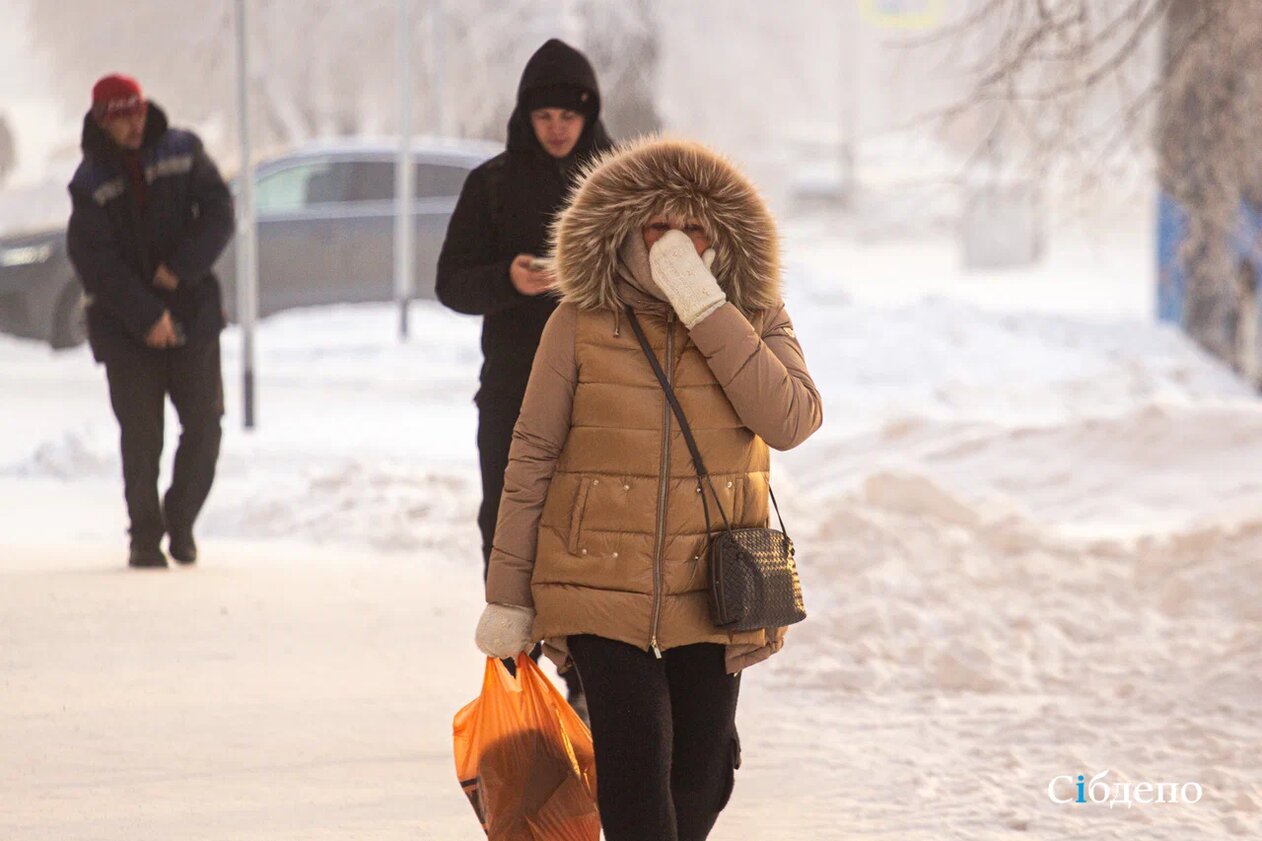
116	249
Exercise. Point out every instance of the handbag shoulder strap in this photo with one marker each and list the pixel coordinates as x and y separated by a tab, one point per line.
697	463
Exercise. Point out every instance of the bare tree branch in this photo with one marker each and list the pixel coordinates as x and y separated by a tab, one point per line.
1057	82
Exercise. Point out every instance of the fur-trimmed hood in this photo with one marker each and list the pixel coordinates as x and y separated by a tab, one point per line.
622	189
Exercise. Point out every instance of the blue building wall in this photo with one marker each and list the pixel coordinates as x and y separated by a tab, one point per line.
1172	230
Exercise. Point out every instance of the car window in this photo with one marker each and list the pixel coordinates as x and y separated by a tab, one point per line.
435	181
371	181
300	186
374	181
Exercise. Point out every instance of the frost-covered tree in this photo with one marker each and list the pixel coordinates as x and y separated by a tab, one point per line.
622	43
180	51
1210	156
327	67
1102	81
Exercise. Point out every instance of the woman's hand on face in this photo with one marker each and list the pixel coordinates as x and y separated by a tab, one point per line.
684	276
529	281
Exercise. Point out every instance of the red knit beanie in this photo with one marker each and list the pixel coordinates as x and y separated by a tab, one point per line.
116	95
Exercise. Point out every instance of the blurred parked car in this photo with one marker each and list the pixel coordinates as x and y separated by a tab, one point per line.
39	295
325	234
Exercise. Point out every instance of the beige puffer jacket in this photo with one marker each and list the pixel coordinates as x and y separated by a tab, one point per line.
600	524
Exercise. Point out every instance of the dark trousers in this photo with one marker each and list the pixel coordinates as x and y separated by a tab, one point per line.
495	436
665	737
139	381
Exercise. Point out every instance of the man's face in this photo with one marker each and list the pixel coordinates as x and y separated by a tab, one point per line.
558	130
127	130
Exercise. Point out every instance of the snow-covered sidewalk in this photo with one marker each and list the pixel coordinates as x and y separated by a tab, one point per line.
279	691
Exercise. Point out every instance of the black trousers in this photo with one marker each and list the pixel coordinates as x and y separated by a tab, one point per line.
665	737
139	382
495	436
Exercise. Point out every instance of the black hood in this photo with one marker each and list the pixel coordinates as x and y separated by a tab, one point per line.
557	63
97	144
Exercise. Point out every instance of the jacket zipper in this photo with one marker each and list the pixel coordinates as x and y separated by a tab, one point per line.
663	486
139	221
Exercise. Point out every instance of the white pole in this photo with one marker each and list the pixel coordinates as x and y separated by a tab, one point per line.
437	69
404	176
247	254
851	63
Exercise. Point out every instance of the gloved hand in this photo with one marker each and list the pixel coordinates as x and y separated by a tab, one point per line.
505	630
685	277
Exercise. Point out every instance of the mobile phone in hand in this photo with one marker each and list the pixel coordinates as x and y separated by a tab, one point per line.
181	338
540	264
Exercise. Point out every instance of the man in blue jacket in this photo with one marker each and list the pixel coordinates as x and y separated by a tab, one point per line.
151	214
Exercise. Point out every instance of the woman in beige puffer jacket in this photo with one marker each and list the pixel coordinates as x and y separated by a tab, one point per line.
599	547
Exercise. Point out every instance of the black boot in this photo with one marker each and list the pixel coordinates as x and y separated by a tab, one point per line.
180	542
146	556
182	546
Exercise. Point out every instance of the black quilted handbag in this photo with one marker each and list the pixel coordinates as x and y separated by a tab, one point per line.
753	577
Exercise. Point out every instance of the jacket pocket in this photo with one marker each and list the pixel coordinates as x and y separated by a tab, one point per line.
576	515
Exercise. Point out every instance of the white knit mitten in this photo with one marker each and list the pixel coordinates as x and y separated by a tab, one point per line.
505	630
684	276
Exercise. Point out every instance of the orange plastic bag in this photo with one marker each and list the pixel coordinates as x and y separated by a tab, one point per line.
525	760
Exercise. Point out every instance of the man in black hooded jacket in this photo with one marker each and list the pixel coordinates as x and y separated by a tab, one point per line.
499	231
150	216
